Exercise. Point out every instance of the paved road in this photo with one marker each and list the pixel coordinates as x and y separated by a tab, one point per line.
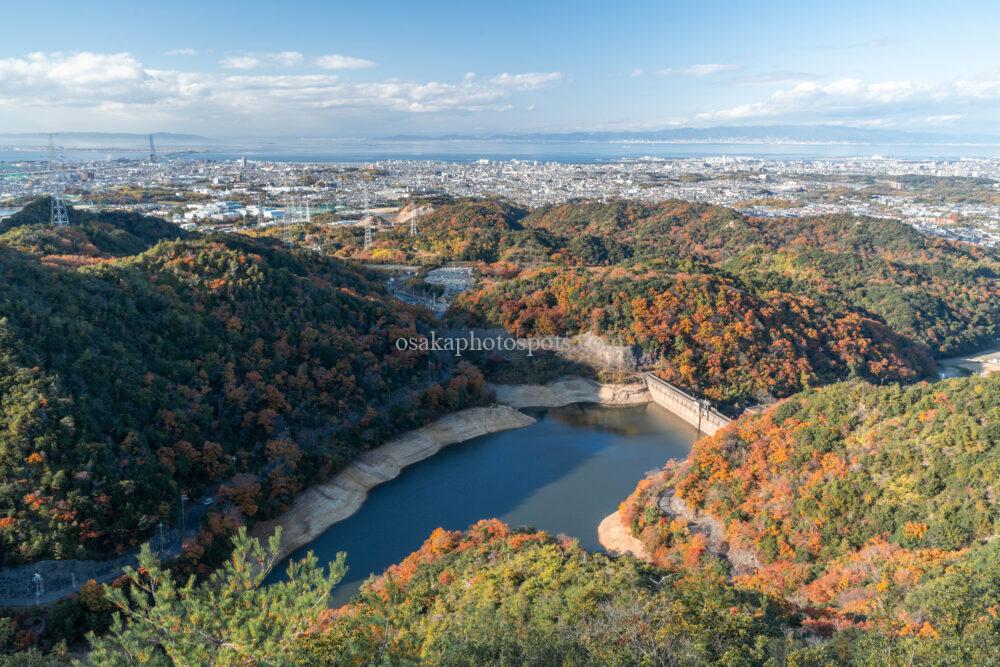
62	578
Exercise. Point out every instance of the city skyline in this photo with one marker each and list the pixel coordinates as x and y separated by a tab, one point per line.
449	68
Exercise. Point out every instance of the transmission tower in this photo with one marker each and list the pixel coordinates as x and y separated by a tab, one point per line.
368	223
368	235
58	214
287	220
413	220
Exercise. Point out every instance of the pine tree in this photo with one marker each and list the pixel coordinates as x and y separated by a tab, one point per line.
229	619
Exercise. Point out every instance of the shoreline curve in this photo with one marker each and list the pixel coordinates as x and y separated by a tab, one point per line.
321	505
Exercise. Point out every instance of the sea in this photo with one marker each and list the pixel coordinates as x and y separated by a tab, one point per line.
468	150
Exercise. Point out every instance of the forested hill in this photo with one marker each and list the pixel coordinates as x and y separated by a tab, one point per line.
89	237
706	332
495	595
872	505
196	363
477	229
499	596
939	293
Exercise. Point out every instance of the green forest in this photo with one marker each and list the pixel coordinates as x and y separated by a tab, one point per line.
154	366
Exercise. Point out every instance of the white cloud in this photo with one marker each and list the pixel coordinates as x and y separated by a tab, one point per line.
76	70
337	61
852	98
240	62
287	58
703	69
526	80
182	52
255	60
90	89
869	123
943	119
978	89
777	78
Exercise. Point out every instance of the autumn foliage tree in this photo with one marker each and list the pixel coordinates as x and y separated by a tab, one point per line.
854	498
176	366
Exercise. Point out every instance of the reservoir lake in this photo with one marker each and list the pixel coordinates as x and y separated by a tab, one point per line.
562	474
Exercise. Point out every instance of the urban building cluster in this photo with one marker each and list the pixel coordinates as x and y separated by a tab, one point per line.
957	199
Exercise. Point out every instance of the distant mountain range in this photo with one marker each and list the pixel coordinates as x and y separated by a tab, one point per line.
735	134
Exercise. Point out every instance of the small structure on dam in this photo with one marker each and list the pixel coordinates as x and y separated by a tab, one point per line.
698	413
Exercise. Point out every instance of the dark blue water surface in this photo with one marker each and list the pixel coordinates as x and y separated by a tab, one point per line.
562	474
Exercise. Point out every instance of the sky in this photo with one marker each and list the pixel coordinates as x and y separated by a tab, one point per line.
368	69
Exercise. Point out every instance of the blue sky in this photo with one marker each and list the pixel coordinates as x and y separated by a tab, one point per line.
368	69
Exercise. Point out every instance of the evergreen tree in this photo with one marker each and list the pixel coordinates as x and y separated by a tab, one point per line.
229	619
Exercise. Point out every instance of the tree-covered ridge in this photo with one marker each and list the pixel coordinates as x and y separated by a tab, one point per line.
647	229
479	214
866	501
706	332
475	230
89	235
214	362
938	292
717	234
950	301
494	595
499	596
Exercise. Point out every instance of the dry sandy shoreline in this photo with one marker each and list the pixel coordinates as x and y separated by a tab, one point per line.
616	538
980	362
322	505
570	390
